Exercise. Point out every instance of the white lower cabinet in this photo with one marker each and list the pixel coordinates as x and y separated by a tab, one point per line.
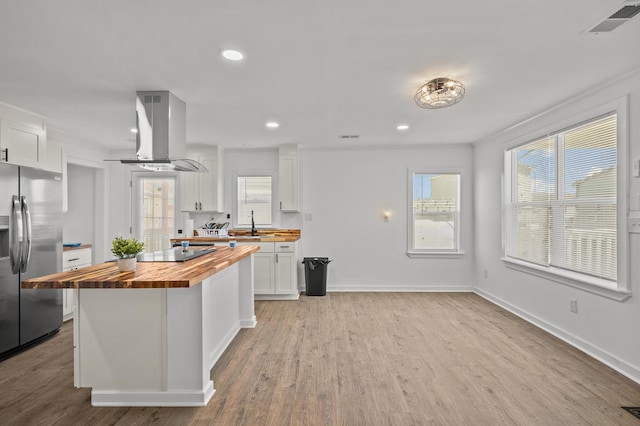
275	271
71	260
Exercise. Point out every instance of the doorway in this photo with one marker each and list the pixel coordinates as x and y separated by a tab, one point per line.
154	209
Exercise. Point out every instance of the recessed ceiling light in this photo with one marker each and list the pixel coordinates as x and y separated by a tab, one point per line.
272	125
232	55
402	127
134	130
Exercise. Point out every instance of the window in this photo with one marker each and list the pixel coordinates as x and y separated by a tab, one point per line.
560	210
434	210
254	195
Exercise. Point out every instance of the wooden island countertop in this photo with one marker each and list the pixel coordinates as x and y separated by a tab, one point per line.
147	274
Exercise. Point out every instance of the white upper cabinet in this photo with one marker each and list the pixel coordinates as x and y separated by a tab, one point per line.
54	159
289	178
23	137
203	191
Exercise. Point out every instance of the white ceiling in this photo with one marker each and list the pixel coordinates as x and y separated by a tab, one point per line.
320	68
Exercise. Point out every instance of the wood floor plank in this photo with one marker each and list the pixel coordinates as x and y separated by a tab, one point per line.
356	359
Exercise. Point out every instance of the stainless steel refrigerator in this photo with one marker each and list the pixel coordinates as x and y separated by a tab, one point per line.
30	246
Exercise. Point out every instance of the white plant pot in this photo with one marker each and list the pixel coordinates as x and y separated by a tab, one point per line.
127	265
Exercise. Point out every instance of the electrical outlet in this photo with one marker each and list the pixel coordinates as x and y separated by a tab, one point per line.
486	273
634	225
573	305
228	215
308	217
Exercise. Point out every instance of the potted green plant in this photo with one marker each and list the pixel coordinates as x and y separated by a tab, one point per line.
126	249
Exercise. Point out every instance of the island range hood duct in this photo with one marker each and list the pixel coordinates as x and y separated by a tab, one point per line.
161	120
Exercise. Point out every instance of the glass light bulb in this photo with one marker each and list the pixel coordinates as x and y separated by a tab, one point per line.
232	55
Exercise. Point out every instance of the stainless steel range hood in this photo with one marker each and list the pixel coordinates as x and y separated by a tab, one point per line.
161	119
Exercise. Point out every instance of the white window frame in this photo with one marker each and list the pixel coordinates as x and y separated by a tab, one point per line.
619	290
412	252
274	186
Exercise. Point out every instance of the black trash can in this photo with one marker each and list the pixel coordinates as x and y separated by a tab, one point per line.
315	275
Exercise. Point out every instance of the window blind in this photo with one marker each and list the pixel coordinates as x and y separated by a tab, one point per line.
562	211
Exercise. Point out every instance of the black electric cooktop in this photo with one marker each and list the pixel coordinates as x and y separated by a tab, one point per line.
176	254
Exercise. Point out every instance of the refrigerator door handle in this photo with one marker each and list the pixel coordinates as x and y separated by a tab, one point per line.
26	247
15	235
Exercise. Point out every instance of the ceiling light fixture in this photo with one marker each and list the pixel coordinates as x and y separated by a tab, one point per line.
402	127
232	55
439	93
272	125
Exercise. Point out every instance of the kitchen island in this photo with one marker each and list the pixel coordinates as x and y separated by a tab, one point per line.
150	337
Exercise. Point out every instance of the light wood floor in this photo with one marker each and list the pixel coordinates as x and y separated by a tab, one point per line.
356	359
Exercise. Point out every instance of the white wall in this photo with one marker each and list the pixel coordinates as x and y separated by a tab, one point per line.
346	192
79	220
603	327
119	197
86	163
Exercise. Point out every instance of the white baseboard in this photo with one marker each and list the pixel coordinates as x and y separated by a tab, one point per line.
217	352
401	289
153	399
248	323
293	296
621	366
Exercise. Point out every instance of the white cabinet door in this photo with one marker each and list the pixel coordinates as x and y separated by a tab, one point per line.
209	191
53	159
203	191
289	178
264	273
189	182
56	161
22	144
286	282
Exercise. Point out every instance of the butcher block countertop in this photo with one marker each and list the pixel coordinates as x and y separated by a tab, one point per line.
147	274
76	247
264	235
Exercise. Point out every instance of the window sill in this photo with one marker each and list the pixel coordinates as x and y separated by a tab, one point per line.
593	285
435	254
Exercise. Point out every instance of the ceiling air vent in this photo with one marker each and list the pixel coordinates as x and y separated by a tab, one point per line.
348	136
623	13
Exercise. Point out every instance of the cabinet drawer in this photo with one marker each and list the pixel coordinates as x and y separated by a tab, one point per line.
285	247
76	258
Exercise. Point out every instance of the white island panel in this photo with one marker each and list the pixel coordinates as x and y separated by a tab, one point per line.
121	336
156	347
